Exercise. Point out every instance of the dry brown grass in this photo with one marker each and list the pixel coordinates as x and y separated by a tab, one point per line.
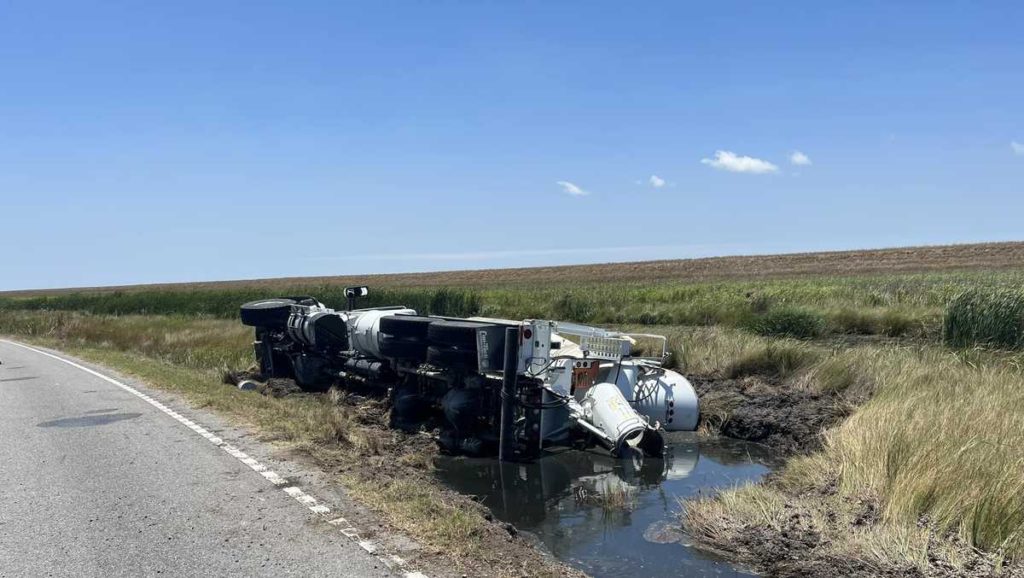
347	435
927	470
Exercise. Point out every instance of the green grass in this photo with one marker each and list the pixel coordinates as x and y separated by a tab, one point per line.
894	305
790	322
781	360
224	303
985	317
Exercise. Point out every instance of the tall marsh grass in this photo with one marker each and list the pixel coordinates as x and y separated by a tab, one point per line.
981	316
940	439
892	305
936	444
789	322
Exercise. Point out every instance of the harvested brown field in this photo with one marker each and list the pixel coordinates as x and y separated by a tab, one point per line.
982	256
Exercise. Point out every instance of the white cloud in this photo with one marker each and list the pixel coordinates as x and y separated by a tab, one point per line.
800	159
572	189
730	161
656	181
1018	149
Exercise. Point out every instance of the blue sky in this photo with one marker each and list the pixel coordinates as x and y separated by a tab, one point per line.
144	142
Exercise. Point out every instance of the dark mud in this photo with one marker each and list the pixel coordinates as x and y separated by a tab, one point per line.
768	411
796	549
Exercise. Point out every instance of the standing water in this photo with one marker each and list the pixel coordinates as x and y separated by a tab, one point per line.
612	517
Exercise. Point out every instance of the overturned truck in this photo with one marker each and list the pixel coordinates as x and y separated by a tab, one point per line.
492	386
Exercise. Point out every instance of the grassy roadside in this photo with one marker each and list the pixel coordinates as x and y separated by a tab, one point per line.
346	436
926	477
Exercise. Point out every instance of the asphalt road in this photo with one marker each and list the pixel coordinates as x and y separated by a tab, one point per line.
94	481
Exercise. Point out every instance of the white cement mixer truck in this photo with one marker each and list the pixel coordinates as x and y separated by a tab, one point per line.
490	386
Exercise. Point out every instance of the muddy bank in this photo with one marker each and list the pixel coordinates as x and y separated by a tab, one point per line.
800	544
384	464
786	531
769	411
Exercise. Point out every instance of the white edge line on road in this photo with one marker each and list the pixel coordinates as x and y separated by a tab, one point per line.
300	496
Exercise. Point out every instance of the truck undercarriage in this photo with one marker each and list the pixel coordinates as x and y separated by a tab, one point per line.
492	386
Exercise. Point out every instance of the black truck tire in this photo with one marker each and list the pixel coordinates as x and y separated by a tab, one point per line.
266	312
454	333
309	371
406	326
277	366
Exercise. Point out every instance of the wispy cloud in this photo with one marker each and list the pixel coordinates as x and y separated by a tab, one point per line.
656	181
1018	149
573	189
730	161
800	159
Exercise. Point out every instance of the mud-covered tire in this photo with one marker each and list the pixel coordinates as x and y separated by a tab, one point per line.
266	312
406	326
282	366
440	356
309	371
403	348
408	408
454	333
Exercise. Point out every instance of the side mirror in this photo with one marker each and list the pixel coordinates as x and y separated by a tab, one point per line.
353	293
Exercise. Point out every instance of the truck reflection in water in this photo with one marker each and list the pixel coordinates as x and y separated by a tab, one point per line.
607	516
